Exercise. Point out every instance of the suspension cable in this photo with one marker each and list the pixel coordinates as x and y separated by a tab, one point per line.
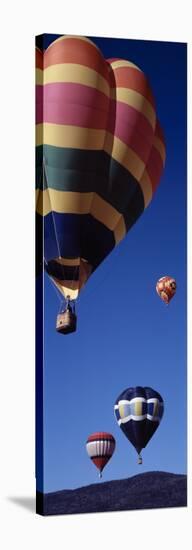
45	175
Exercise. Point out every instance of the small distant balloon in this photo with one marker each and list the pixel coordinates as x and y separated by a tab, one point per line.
100	448
166	288
138	412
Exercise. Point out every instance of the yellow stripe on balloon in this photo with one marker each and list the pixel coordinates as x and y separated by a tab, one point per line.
123	63
64	202
124	155
138	408
39	135
69	202
36	197
159	145
137	101
43	205
130	160
71	262
60	135
84	266
146	186
155	408
120	230
38	76
104	212
121	411
78	74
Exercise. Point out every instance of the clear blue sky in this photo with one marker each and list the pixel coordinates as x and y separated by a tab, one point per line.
137	340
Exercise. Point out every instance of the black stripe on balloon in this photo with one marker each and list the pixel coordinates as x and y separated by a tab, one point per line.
134	208
139	432
85	171
38	244
77	236
135	431
100	456
39	167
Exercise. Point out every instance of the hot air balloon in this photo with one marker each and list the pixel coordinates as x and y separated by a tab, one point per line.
138	412
100	448
100	153
166	288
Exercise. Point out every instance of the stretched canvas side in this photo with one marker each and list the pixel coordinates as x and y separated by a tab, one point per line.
110	274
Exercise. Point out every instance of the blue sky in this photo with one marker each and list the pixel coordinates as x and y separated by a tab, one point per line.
126	336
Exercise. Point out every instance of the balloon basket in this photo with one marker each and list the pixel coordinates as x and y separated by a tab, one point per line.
66	322
140	460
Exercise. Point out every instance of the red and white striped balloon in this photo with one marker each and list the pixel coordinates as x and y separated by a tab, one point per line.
100	448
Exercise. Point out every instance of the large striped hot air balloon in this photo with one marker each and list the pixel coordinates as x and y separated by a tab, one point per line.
138	412
100	153
100	448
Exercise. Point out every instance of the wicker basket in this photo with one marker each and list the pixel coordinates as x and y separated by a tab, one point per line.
66	322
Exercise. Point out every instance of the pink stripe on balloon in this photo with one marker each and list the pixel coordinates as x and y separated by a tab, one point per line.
75	104
39	104
75	93
132	128
134	140
74	115
129	115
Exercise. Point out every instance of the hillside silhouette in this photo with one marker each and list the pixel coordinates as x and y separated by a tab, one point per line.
144	491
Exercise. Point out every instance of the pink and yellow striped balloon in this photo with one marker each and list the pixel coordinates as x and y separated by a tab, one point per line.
103	151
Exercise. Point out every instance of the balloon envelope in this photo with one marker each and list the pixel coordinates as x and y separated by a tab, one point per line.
100	153
138	412
166	288
100	448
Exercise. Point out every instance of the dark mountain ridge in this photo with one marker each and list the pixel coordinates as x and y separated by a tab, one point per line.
143	491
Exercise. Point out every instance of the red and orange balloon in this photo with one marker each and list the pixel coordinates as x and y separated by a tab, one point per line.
166	288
